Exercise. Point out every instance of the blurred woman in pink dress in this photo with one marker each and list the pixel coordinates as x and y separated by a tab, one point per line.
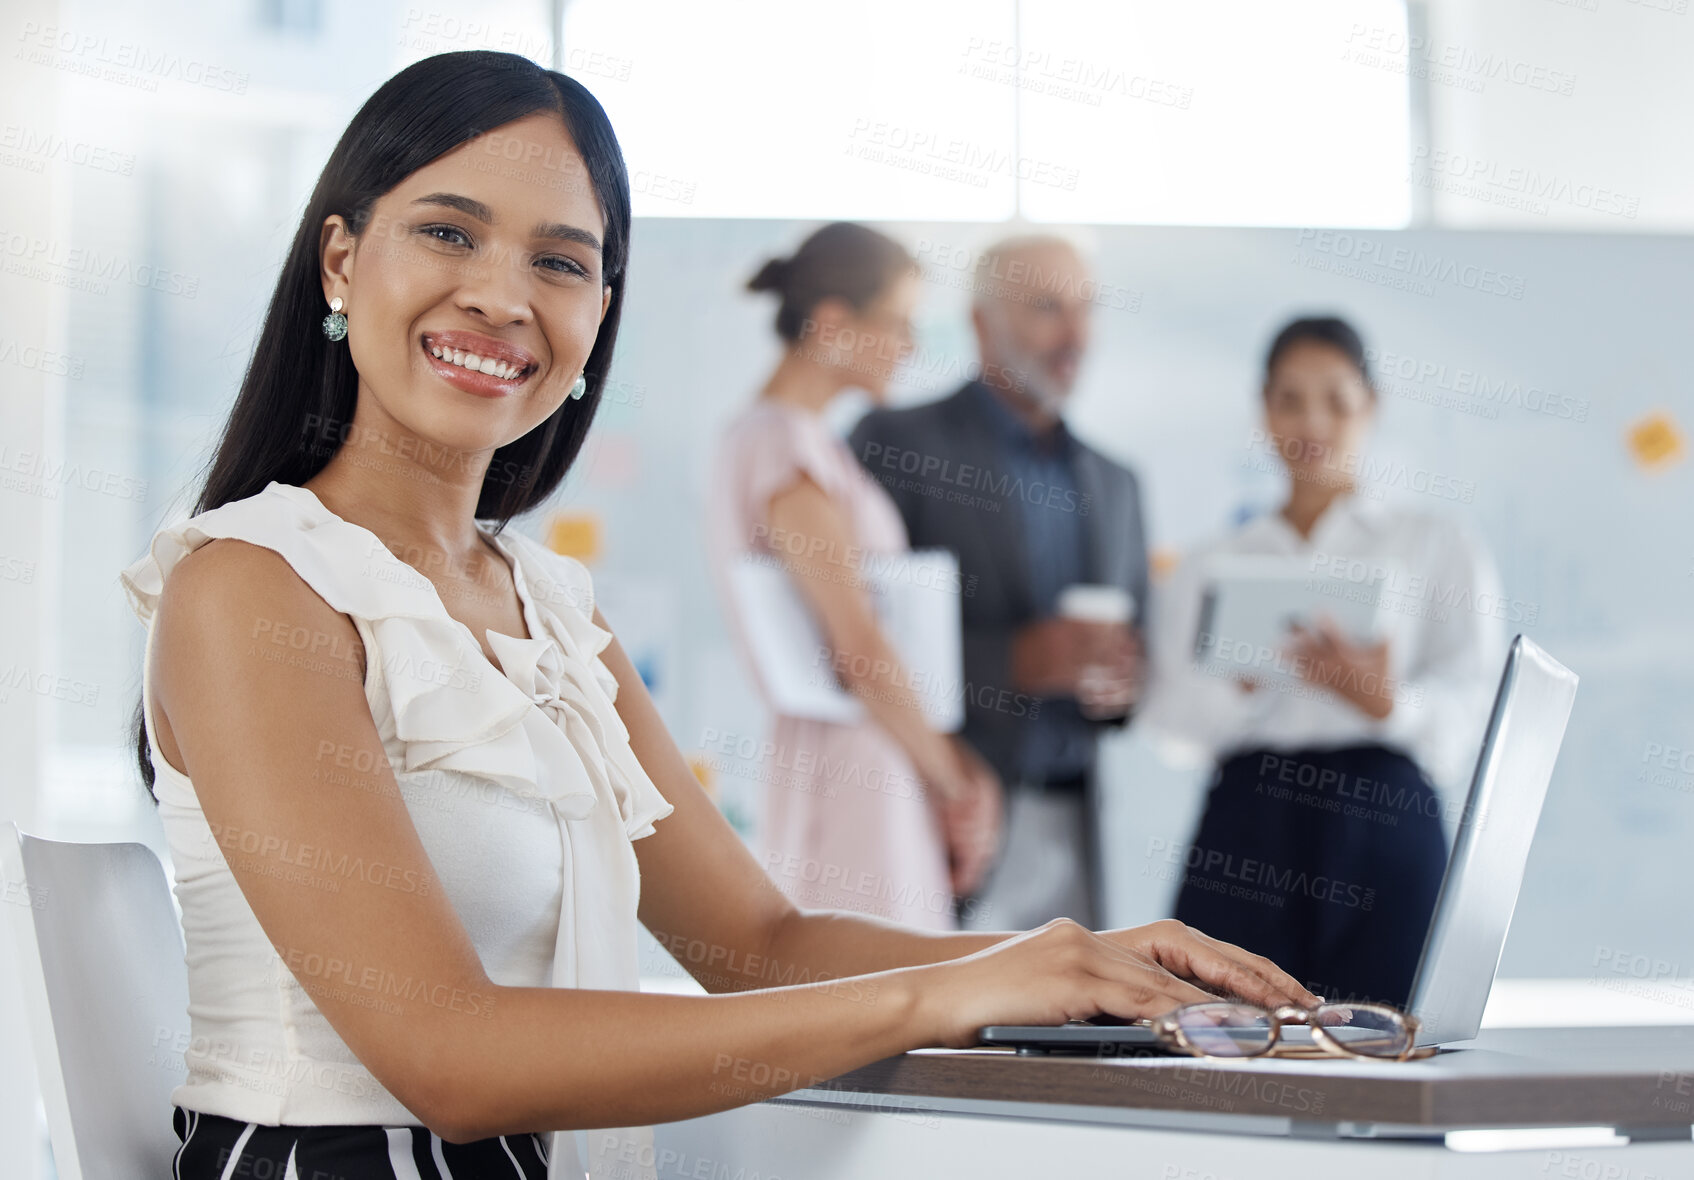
887	816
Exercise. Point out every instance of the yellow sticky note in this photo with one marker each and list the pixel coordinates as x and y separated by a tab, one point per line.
703	771
1656	440
1162	561
575	534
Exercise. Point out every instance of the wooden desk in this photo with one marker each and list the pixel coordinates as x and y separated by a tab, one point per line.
990	1114
1640	1080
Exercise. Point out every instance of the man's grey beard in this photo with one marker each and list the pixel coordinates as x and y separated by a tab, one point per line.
1031	386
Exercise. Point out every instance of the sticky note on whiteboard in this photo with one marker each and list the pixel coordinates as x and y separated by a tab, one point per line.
1162	561
575	534
701	765
1656	440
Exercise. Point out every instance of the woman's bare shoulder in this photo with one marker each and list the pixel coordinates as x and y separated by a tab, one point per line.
232	607
228	579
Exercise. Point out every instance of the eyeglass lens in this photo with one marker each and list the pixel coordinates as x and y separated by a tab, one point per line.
1239	1030
1366	1029
1226	1030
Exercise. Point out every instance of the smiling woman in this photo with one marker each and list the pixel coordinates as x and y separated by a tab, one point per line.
481	255
417	798
514	177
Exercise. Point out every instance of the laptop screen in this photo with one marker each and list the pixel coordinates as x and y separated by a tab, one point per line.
1491	849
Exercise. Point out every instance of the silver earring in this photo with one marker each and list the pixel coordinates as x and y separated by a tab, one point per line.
579	386
335	324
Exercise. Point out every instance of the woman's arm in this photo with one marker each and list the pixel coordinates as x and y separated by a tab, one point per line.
828	568
1432	698
706	899
828	571
695	862
1450	674
387	961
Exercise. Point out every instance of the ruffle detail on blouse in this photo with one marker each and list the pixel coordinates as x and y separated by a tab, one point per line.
453	711
347	566
581	705
545	730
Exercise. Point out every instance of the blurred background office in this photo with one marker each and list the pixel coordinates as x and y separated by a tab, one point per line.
1492	191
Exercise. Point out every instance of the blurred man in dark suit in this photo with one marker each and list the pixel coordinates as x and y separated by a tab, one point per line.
1053	563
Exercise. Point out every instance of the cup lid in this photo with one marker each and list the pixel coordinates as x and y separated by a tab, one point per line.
1096	603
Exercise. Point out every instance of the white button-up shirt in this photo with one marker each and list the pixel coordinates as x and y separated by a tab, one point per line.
1441	610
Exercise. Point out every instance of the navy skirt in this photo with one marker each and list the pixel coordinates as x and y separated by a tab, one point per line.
214	1147
1327	862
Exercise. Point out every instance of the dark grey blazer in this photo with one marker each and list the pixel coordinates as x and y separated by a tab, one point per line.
941	463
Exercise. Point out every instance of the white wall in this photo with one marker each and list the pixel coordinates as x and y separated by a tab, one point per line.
32	330
1616	142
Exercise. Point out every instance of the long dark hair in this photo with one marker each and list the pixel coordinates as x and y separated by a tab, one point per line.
297	399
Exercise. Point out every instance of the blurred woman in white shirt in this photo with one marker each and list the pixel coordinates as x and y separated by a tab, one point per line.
1322	843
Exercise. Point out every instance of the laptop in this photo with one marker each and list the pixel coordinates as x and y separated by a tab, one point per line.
1478	891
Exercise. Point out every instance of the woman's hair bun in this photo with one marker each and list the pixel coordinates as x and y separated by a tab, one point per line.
842	260
771	276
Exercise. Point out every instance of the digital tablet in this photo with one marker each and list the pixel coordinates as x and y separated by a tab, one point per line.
1251	604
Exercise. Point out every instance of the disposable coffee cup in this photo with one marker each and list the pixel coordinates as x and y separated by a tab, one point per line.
1091	603
1097	605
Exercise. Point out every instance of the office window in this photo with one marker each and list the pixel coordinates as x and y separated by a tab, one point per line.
768	108
1233	112
1237	112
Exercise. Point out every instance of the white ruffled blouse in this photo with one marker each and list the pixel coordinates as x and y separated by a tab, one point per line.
522	786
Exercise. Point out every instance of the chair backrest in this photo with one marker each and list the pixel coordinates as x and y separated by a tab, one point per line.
105	993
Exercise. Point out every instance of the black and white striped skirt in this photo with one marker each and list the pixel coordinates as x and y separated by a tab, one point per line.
218	1148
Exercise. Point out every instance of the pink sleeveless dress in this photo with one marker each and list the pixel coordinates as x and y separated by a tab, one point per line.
847	824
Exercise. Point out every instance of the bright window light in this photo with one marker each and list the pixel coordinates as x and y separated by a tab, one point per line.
1235	112
1232	112
770	108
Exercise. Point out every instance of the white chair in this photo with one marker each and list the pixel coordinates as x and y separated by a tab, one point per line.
105	994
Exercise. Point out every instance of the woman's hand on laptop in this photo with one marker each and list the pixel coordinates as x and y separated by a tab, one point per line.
1218	966
1064	971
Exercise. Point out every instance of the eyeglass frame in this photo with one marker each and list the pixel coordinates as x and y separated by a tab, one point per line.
1173	1035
